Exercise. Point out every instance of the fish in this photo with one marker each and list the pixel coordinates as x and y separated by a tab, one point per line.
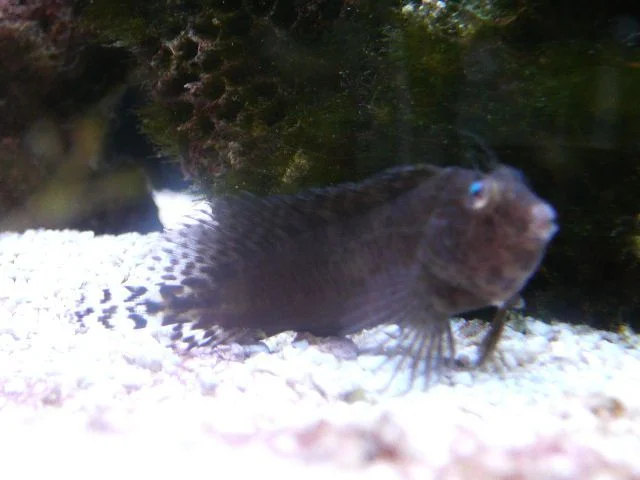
413	246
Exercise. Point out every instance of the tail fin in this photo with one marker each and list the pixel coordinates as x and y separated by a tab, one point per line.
163	294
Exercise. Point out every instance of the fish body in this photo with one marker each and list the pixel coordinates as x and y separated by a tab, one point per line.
412	246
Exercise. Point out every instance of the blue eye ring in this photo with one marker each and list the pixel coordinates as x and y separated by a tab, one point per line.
479	193
476	188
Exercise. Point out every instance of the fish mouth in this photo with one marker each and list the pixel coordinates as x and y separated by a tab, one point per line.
543	221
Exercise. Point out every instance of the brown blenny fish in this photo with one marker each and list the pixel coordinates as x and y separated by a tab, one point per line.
413	246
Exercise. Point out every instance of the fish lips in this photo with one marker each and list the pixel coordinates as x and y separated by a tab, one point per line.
543	224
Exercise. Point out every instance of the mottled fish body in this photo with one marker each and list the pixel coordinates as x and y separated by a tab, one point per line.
413	246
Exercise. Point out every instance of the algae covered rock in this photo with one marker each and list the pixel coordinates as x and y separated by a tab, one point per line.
259	95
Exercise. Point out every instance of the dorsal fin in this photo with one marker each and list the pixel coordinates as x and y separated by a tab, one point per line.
245	224
324	205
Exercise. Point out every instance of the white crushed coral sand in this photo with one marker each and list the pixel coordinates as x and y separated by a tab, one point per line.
559	402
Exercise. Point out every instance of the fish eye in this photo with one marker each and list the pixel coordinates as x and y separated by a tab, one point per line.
479	193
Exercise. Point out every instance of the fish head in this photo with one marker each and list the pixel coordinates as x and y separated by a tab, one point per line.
485	236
